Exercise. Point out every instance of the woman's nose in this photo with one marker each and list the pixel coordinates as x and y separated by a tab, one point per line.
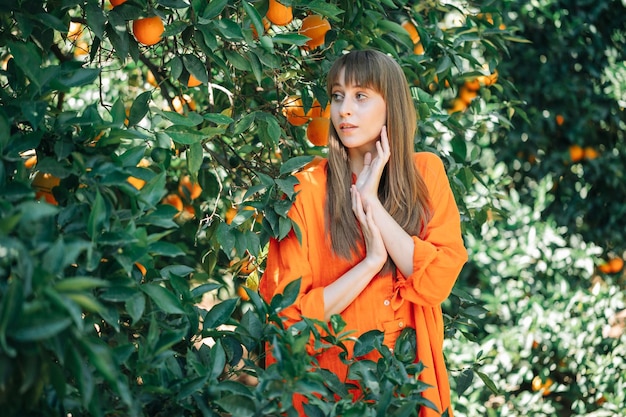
345	107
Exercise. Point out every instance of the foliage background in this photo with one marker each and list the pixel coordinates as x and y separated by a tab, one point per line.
133	295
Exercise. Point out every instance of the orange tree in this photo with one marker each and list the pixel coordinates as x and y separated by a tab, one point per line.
551	270
572	81
145	161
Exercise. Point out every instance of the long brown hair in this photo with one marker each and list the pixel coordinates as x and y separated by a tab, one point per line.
402	190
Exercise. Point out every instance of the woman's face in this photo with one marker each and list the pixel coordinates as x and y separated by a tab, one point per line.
358	115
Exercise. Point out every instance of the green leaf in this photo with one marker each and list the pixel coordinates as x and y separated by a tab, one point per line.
185	136
40	328
196	67
5	130
97	217
10	307
464	381
294	164
214	9
195	156
80	284
28	60
135	306
163	298
488	382
292	290
220	313
165	249
254	16
217	360
367	342
153	191
139	108
76	77
237	405
189	119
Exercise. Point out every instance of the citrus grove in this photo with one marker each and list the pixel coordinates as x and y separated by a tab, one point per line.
146	156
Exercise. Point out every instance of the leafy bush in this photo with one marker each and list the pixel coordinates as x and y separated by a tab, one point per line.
116	270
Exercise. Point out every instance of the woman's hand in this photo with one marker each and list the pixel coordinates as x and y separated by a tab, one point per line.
369	178
375	250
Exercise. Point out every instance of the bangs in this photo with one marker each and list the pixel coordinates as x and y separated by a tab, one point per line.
361	68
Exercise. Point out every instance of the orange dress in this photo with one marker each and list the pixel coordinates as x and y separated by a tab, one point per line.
386	304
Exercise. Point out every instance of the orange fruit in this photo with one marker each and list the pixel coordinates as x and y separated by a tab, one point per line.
317	131
180	101
590	153
138	183
247	267
538	385
278	13
117	2
188	189
458	105
473	84
241	292
576	153
174	200
151	79
410	28
316	110
74	31
488	80
559	119
418	48
230	215
315	27
467	95
293	110
148	30
81	48
43	183
193	81
616	265
30	162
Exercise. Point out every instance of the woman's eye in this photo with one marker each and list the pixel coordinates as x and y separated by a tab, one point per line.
361	96
336	96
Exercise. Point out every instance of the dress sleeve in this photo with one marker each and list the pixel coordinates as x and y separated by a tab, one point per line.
288	260
440	255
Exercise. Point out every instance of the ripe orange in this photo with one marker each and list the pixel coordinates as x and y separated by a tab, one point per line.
138	183
187	189
247	266
117	2
576	153
317	131
43	183
616	265
473	84
30	162
174	200
148	30
241	292
590	153
560	119
316	110
230	214
81	48
293	110
458	105
467	95
488	80
74	31
315	27
418	48
151	79
279	14
410	28
539	385
180	101
193	81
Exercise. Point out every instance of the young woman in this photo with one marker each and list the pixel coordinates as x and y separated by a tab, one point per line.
381	239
